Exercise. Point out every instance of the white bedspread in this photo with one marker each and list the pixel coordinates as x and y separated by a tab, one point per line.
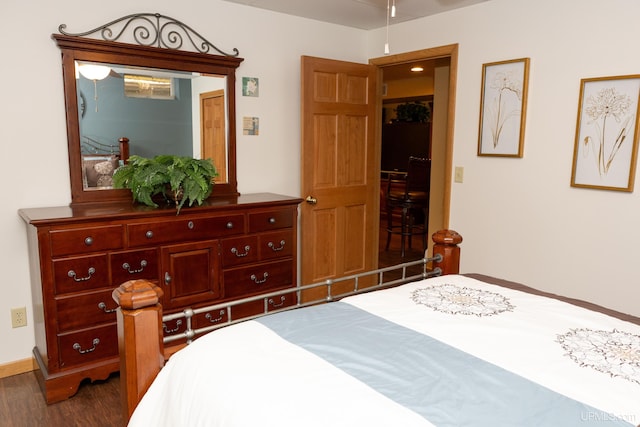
247	375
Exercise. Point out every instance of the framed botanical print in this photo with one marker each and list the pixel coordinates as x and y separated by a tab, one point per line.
606	142
503	104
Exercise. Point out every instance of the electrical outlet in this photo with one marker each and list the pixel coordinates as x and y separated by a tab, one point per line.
18	317
459	174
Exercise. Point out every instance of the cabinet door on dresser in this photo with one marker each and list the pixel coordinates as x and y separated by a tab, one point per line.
190	274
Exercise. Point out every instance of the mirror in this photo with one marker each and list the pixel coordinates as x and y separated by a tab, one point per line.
151	101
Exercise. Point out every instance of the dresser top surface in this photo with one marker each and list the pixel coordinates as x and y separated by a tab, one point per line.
129	210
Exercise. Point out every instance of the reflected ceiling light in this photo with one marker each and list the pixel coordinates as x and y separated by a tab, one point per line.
94	71
417	69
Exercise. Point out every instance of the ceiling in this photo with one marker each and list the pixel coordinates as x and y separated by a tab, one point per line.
363	14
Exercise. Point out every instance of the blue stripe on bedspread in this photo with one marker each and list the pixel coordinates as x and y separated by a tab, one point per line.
446	386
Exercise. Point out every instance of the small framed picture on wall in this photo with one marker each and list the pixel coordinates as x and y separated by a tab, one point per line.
503	103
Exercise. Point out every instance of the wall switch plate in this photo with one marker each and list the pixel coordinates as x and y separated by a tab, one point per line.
18	317
459	174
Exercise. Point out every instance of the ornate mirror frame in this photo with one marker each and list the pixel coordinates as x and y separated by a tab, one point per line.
159	40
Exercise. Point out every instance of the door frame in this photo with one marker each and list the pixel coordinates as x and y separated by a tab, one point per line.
447	51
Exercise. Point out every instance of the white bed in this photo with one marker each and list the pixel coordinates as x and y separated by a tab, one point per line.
446	351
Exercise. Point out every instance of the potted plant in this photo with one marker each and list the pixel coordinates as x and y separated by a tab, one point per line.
416	112
177	179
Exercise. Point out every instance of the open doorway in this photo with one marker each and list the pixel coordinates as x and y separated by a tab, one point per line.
434	88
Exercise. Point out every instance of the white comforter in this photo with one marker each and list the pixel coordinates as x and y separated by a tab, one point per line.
247	375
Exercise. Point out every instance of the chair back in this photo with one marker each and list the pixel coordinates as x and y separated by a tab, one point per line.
418	175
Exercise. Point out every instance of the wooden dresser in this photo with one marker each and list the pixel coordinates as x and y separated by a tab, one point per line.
228	249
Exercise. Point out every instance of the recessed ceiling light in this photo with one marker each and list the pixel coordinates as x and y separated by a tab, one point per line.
417	69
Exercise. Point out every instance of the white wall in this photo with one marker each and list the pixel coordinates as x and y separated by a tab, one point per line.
520	218
33	132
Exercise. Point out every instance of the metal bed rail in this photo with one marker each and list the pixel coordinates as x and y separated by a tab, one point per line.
189	334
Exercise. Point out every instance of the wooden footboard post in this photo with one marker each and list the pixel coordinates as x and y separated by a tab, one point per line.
139	339
446	244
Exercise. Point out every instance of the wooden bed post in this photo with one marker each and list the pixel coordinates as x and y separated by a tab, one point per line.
141	352
446	244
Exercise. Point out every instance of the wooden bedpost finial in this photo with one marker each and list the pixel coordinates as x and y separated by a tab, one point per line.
446	244
136	294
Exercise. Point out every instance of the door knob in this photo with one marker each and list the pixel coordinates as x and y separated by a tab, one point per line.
311	200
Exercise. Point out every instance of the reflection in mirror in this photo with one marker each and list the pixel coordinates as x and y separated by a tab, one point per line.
149	98
159	111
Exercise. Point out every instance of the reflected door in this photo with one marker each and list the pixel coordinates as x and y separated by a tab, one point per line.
213	132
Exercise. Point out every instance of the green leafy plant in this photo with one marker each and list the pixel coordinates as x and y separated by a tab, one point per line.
416	112
177	179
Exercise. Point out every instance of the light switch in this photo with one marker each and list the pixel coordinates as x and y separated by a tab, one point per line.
459	174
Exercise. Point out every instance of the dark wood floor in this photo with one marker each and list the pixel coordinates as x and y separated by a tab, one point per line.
98	404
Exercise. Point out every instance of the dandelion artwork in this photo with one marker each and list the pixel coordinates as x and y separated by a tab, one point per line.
606	140
502	110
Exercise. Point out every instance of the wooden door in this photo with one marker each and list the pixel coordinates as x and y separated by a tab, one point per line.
213	135
340	160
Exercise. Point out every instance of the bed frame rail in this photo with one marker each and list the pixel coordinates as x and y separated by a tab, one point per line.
140	337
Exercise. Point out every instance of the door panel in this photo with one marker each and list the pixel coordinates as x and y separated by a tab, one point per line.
340	160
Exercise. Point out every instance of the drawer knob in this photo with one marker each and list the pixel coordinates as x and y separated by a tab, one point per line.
272	220
73	275
102	306
149	234
210	318
190	225
259	281
79	349
88	241
171	331
240	255
277	305
273	246
127	267
229	225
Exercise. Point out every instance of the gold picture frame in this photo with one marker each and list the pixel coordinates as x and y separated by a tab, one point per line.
606	142
503	105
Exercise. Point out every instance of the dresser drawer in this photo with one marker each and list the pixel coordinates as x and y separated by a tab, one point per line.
278	244
131	265
240	250
270	220
256	279
85	310
88	345
147	234
83	240
81	273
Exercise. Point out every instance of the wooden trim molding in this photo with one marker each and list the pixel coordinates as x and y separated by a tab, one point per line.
18	367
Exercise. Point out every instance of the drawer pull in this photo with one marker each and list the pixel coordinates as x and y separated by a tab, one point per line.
72	274
170	331
127	267
102	306
79	349
273	246
238	254
259	281
272	220
167	278
88	241
273	303
149	234
190	225
229	225
217	319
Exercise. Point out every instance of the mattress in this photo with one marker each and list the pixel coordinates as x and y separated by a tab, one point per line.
445	351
